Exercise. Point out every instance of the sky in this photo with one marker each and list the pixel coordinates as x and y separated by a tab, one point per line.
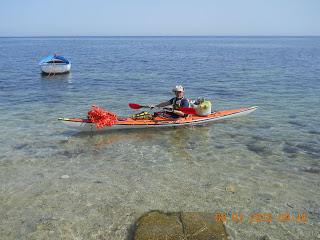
159	17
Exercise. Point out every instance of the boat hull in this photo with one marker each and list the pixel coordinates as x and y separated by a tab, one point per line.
55	68
128	123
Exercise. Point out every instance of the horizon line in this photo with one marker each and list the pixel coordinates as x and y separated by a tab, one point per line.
106	36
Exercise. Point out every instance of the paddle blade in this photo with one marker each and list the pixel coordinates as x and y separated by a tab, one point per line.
187	110
134	106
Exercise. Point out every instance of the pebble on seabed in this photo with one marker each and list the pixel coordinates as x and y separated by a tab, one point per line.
64	177
231	188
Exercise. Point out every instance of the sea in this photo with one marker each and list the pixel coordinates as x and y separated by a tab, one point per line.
59	183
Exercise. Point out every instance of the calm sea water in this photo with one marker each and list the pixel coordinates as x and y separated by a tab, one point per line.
59	184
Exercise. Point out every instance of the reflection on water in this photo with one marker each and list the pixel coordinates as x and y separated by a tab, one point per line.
103	139
183	138
57	77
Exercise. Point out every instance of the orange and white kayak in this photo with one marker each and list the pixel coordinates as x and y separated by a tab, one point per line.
129	123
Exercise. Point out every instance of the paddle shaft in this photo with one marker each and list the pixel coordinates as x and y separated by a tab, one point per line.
186	110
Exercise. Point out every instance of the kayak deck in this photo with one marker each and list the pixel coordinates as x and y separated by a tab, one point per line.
129	123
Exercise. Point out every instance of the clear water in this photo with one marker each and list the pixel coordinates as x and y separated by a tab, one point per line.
59	184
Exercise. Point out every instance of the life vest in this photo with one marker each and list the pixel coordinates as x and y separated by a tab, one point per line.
176	103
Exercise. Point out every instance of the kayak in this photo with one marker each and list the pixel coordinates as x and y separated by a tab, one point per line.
158	121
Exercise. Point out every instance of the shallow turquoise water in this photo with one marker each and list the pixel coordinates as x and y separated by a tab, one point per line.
57	183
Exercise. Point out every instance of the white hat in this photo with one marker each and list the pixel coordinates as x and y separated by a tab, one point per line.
178	88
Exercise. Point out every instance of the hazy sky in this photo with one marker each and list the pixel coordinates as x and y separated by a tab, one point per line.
161	17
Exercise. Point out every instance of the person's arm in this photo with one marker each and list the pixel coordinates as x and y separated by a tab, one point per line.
184	104
163	104
179	113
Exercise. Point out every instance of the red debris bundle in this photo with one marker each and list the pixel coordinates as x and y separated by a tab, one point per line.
101	117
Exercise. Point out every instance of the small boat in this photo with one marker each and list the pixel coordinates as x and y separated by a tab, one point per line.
130	123
55	64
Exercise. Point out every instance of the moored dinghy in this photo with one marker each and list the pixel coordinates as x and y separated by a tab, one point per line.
55	64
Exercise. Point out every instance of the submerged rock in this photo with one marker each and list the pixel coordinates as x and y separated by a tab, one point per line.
202	226
289	148
309	147
259	149
316	132
264	237
297	123
311	170
157	225
20	146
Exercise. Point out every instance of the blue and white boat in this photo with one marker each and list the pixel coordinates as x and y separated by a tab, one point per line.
55	64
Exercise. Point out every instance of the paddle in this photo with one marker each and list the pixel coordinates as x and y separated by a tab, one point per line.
137	106
186	110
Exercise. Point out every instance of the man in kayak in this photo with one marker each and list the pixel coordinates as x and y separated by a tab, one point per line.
177	102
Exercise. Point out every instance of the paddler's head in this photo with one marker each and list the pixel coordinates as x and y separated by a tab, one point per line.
179	91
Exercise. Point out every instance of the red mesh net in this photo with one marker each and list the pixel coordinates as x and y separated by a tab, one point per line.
101	117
